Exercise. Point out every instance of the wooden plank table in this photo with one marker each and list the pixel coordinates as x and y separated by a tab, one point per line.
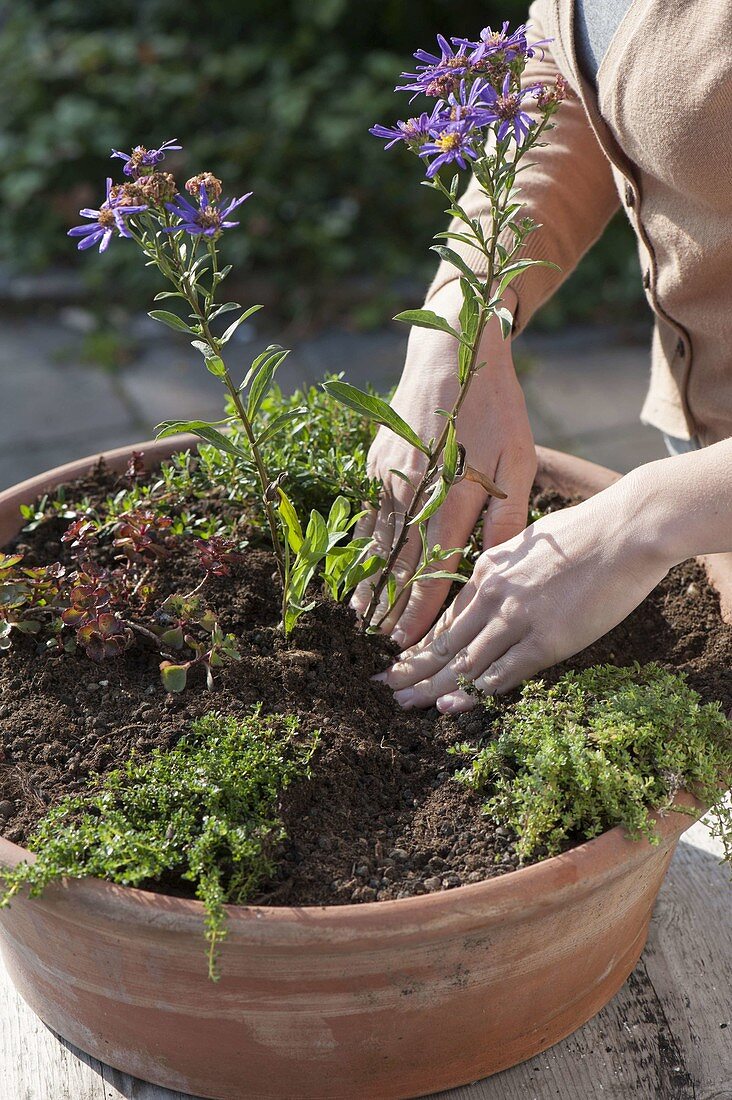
667	1035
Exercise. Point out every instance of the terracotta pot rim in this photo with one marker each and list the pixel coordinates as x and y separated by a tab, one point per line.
528	888
580	870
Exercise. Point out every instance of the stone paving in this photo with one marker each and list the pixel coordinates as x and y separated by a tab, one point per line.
584	388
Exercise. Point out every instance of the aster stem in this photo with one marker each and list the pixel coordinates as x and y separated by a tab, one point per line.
173	267
497	185
426	481
265	480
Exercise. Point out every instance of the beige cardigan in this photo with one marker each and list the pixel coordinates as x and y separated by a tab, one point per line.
656	136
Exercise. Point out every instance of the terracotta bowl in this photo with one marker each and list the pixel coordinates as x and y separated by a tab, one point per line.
386	1000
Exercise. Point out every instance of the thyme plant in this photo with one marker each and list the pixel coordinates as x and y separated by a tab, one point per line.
600	748
477	122
206	812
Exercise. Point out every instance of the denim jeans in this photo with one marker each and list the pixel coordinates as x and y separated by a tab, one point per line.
676	446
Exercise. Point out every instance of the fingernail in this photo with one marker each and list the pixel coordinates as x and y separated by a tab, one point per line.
404	696
446	704
452	704
380	677
398	636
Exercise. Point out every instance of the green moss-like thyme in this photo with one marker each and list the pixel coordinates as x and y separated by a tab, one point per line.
600	748
206	812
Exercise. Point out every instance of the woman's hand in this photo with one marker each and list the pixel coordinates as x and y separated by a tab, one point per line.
494	428
541	597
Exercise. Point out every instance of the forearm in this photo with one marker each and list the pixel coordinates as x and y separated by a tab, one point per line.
430	370
686	502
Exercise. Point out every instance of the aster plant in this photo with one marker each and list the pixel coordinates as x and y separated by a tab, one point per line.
179	232
477	123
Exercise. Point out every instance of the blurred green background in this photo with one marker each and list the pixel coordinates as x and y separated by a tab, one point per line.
274	98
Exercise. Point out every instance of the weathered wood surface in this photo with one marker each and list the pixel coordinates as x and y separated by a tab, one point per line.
666	1036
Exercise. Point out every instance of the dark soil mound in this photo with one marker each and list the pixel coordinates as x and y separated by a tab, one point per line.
381	817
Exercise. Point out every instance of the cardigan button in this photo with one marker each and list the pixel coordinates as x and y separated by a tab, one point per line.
680	349
629	196
647	280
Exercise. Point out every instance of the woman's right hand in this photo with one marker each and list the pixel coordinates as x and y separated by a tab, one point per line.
493	426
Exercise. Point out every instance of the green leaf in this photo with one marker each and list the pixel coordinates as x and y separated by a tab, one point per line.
28	626
315	544
462	237
441	575
338	515
360	571
171	320
435	498
239	321
262	380
205	348
203	431
402	477
505	318
515	269
425	318
457	261
288	515
215	364
173	637
227	307
469	322
450	455
375	409
195	269
258	363
278	424
173	676
465	357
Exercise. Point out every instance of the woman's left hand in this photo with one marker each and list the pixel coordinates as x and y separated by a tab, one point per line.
538	598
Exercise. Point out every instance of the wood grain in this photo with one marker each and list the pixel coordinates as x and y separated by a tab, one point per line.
667	1035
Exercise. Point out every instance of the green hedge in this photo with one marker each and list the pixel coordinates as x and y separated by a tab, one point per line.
275	98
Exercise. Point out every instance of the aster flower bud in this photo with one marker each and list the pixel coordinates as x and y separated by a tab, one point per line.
549	96
142	161
127	194
208	180
155	189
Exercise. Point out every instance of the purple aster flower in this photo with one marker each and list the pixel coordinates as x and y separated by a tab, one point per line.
108	218
142	159
453	145
505	108
208	219
415	131
438	74
468	106
508	45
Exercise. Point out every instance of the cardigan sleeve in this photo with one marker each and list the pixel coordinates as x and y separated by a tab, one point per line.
568	190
